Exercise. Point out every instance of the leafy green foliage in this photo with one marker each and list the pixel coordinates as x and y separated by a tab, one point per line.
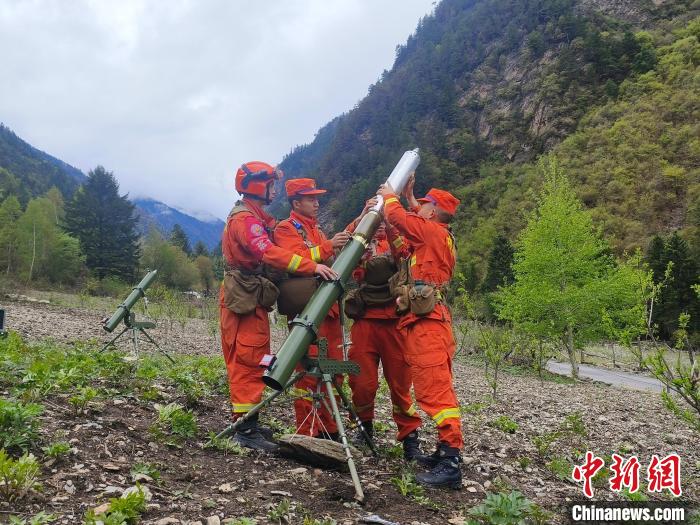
147	469
18	476
226	445
38	519
56	450
506	509
282	513
564	273
126	509
175	269
174	423
19	426
505	424
82	399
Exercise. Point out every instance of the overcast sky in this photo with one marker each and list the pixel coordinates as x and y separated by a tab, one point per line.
172	96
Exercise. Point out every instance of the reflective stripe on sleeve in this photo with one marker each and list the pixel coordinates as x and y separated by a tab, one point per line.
294	263
390	200
316	253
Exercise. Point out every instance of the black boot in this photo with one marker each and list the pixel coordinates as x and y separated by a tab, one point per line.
267	432
447	472
411	447
249	435
359	439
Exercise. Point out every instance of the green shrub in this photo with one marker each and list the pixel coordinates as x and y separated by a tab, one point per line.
505	424
174	423
38	519
18	424
510	509
147	469
126	509
56	450
81	400
18	476
226	445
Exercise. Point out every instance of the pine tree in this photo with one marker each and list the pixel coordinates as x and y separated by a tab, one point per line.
656	258
105	224
200	249
677	295
179	238
500	265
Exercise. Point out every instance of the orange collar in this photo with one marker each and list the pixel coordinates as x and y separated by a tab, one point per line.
309	223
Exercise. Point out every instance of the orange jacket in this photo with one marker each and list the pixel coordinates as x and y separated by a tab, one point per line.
246	243
434	256
303	236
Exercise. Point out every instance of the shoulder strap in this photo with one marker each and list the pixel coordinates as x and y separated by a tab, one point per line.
299	228
239	207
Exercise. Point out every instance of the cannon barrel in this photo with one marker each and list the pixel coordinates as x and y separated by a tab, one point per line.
304	327
123	309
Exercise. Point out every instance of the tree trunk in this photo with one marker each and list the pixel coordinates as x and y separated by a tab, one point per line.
31	266
571	351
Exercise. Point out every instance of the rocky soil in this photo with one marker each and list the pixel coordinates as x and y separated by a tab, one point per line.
204	485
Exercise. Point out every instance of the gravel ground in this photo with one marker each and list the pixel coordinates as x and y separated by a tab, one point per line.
614	420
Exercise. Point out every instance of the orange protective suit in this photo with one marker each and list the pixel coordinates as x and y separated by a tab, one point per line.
303	236
430	342
375	339
245	339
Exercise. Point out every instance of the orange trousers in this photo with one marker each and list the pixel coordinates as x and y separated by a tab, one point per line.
430	347
375	340
308	422
245	339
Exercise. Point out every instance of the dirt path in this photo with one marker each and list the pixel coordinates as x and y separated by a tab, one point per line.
610	377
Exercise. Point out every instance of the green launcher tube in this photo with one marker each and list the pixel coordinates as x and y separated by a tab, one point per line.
136	294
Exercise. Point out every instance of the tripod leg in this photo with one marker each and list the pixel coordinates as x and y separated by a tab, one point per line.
348	406
150	340
231	429
114	339
359	495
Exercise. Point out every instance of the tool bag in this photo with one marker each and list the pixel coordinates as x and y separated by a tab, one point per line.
245	290
294	294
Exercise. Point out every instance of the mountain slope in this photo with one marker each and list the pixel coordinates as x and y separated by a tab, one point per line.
163	217
483	88
28	172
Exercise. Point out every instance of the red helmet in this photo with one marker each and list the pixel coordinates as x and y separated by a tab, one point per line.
254	179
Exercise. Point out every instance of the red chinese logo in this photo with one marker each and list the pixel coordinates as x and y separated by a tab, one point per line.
665	474
625	474
586	472
661	474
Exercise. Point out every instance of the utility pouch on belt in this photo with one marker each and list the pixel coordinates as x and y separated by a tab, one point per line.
294	294
423	299
355	307
244	291
399	287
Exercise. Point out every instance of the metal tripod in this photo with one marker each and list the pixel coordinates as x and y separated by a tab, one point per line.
135	328
325	369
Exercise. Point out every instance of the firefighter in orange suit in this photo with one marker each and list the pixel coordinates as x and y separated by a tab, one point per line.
301	234
245	339
430	344
376	339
